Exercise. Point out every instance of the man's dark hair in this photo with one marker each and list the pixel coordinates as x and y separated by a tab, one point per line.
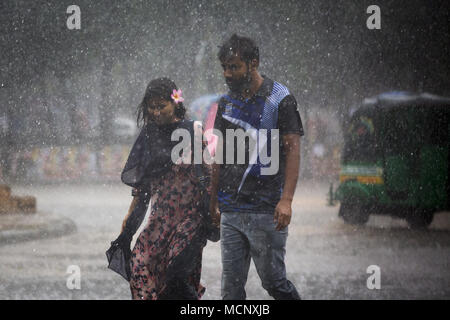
243	47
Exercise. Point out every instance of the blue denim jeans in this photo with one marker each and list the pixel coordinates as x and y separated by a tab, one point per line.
246	236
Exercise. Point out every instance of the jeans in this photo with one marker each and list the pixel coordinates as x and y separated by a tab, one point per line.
246	236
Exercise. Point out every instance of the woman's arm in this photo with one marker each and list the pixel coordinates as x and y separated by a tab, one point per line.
130	210
214	204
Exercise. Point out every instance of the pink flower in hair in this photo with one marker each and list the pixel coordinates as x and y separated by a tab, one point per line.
176	96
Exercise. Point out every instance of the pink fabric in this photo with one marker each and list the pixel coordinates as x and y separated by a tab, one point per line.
209	125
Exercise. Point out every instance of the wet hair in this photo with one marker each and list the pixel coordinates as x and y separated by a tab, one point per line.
162	89
243	47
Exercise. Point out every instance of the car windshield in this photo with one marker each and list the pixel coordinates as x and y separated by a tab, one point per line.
396	131
406	130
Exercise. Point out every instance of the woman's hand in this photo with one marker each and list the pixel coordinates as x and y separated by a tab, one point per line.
215	213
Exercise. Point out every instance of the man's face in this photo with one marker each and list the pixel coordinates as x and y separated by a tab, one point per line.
236	73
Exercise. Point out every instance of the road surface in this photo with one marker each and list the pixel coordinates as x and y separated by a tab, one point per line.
326	259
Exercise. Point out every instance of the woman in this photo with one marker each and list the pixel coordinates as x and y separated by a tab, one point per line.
167	257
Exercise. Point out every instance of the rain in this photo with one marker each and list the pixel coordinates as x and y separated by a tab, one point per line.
74	73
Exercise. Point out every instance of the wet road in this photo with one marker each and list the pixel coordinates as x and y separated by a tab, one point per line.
326	259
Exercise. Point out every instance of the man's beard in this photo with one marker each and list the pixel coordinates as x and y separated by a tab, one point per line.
239	85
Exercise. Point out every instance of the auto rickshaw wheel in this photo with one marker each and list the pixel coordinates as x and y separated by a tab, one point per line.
354	213
420	218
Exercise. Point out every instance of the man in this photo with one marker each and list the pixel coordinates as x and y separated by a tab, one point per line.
255	208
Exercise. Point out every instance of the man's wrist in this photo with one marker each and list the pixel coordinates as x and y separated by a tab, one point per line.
286	198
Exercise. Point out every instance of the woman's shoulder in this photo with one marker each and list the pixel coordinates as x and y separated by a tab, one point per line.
192	125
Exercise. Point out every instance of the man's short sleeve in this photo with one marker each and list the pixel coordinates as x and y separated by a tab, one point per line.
289	120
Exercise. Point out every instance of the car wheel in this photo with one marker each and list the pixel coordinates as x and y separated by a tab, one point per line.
420	218
353	213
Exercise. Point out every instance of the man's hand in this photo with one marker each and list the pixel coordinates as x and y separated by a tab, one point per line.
283	213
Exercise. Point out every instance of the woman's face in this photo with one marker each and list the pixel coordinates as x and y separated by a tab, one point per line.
161	111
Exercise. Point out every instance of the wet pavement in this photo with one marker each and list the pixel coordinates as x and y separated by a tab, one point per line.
326	259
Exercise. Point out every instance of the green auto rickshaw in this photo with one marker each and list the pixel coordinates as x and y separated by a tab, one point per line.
396	159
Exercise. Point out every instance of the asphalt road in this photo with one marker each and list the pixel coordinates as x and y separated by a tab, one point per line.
326	259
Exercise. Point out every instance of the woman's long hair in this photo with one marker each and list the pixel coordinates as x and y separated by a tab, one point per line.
160	88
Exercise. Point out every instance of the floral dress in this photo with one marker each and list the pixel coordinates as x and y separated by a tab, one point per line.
169	249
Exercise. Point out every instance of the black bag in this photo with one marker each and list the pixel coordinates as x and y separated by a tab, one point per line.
119	254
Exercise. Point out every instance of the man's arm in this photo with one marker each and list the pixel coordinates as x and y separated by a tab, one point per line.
283	210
